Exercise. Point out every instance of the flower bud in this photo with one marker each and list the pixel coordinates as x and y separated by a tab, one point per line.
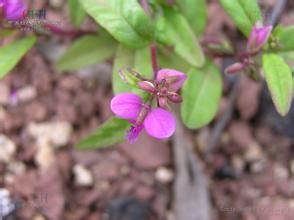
162	101
258	36
235	68
131	77
147	86
175	98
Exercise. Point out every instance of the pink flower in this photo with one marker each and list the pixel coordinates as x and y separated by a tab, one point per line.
158	122
13	9
165	87
258	36
173	78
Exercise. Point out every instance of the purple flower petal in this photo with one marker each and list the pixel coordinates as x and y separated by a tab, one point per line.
160	123
14	9
263	34
133	133
126	105
1	3
259	36
171	73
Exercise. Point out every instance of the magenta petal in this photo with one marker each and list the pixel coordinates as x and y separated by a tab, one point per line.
263	34
14	9
126	105
160	123
259	36
166	73
133	133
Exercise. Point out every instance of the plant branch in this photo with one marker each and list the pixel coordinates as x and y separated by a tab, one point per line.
146	7
191	195
72	33
153	50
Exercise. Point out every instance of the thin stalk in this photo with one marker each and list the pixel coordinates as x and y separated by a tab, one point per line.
146	7
153	49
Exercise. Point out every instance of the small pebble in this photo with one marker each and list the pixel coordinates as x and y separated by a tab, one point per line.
253	153
164	175
26	94
57	133
39	217
56	3
83	176
45	156
280	171
16	168
6	205
7	149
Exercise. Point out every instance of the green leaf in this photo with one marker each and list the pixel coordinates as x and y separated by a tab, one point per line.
201	95
76	12
124	20
285	38
111	132
12	53
196	13
5	33
278	77
168	59
289	58
245	13
86	51
138	60
175	30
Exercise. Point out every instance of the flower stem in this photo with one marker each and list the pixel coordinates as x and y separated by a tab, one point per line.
153	49
72	33
146	7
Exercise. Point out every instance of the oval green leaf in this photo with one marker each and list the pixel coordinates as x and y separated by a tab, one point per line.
12	53
201	95
278	77
196	13
76	12
111	132
244	13
174	30
86	51
285	38
124	20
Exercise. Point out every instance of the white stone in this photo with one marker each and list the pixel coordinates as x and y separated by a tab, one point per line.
164	175
253	153
7	149
26	94
56	133
56	3
45	156
280	171
6	204
16	168
82	176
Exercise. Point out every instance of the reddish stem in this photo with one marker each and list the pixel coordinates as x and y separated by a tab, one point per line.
153	49
146	7
72	33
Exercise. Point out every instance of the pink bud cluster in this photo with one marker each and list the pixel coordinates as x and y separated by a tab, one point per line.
258	37
152	114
